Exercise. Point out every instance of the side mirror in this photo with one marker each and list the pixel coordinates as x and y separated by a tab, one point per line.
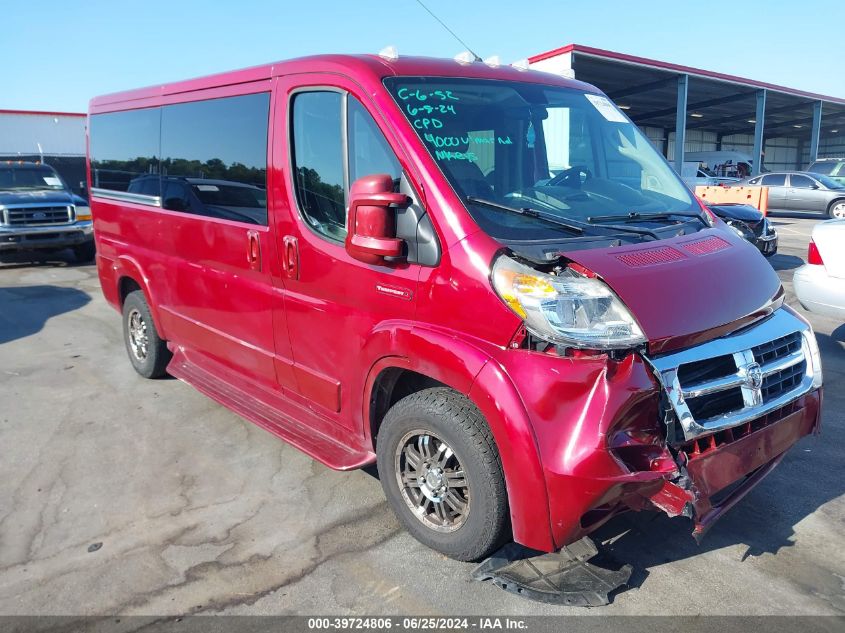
371	222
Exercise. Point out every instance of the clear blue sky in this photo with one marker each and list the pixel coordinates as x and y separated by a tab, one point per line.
60	53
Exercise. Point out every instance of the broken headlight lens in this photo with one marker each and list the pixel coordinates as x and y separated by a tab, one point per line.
566	309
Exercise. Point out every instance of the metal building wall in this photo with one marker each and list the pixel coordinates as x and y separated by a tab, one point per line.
58	134
694	141
829	147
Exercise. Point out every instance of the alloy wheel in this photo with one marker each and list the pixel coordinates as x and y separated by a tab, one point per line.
432	481
838	211
138	337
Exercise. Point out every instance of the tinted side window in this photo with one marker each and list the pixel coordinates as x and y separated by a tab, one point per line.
774	180
124	146
800	181
318	161
214	157
369	152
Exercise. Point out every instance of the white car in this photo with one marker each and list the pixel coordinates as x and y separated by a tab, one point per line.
820	283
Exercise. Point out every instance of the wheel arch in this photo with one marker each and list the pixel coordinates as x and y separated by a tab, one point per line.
439	359
833	203
130	277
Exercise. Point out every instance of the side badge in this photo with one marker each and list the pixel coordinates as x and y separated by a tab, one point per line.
395	291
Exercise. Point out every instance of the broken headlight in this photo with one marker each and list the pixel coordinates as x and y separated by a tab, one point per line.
568	309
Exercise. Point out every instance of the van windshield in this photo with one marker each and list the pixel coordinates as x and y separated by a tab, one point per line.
557	151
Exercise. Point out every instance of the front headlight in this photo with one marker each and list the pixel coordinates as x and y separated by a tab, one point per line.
741	229
567	309
83	213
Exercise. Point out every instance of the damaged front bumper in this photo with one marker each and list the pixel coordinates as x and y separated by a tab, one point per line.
716	472
688	433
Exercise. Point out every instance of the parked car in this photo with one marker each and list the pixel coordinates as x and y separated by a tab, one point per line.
705	178
526	332
224	199
802	192
820	283
38	212
833	168
750	224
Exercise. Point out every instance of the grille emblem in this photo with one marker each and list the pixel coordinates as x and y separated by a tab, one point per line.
39	215
754	376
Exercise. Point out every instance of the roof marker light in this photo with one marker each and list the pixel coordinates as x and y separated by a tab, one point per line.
465	57
493	61
389	53
520	64
696	115
624	107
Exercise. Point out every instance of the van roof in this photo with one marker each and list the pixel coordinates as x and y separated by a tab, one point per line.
354	66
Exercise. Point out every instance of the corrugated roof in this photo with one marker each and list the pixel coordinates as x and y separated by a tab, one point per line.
678	68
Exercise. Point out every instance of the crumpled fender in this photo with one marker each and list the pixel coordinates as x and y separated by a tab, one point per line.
463	364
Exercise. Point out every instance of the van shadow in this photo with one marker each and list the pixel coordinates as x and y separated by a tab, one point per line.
785	262
25	309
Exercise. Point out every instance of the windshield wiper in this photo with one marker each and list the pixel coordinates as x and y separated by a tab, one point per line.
572	225
526	212
633	216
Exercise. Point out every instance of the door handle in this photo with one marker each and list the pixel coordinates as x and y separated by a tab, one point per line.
253	250
291	257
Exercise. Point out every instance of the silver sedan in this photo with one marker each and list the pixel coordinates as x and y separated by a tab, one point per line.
802	192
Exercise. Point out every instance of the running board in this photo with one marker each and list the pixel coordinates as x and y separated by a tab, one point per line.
272	412
563	577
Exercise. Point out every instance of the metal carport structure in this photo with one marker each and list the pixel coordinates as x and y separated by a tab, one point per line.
688	109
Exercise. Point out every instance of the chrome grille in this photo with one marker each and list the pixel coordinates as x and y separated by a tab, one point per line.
734	379
37	216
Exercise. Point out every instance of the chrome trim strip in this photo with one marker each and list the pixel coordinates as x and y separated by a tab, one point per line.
748	376
125	196
711	386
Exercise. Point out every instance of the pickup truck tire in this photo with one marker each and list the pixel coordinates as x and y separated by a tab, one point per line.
147	351
84	253
442	474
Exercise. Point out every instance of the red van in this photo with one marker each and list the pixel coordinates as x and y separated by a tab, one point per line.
483	279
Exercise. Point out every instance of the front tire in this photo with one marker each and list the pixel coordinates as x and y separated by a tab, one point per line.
836	210
442	475
147	351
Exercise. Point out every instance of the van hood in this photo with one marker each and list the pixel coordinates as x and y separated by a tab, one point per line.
41	196
688	289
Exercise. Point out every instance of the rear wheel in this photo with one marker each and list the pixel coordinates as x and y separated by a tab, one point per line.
837	209
441	474
147	351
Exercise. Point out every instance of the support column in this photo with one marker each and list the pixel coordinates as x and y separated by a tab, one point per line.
759	126
817	130
681	122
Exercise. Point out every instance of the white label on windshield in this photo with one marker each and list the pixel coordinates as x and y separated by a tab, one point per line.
208	188
52	181
607	109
